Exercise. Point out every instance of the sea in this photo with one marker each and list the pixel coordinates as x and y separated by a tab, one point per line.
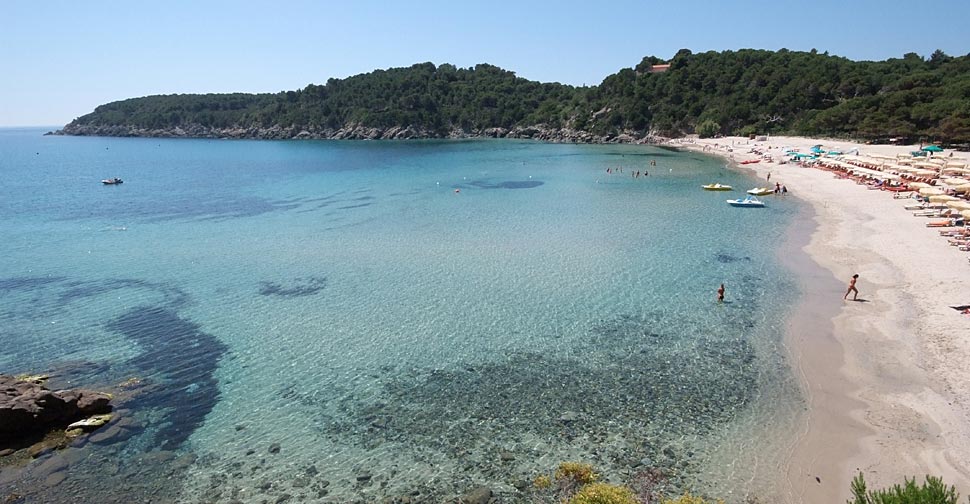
394	321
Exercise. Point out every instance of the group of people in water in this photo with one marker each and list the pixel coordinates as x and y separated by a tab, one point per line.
634	174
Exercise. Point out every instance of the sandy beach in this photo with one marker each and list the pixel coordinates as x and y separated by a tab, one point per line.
884	377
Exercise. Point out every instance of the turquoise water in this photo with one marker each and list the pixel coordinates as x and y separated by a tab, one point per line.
395	318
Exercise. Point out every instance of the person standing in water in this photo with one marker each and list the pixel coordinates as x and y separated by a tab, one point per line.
720	293
852	288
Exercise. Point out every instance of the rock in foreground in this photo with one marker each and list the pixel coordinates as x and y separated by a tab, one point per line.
28	408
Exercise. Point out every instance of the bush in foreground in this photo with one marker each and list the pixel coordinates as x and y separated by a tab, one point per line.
932	491
604	493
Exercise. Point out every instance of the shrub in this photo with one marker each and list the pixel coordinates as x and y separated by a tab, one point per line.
542	482
707	129
932	491
687	498
603	493
577	472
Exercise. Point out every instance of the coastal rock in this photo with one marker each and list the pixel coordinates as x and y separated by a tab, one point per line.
28	407
91	423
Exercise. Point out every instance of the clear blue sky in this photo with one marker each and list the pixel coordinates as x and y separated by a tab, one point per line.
61	58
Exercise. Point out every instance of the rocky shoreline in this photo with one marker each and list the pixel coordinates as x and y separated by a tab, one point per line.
358	132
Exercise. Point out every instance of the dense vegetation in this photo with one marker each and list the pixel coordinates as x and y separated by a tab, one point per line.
730	92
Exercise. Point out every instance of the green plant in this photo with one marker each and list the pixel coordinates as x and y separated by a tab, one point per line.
603	493
707	129
576	471
932	491
687	498
542	482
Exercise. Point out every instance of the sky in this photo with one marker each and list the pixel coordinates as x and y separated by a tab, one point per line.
59	59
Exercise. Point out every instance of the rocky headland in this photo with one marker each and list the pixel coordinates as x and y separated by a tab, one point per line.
356	132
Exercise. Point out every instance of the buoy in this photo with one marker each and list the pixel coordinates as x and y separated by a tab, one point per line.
457	190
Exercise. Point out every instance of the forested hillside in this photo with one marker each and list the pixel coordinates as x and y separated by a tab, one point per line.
730	92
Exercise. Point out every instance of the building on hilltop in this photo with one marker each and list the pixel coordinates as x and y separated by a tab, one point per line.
658	68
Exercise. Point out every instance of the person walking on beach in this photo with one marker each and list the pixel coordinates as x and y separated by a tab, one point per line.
769	176
852	288
720	294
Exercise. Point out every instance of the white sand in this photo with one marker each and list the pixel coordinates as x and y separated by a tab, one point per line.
888	380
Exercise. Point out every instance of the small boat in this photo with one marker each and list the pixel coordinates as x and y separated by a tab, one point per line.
761	191
717	187
748	201
751	161
112	181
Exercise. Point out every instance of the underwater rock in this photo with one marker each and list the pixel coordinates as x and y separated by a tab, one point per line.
478	495
274	448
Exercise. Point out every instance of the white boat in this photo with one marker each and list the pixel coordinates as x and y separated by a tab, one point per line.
748	201
760	191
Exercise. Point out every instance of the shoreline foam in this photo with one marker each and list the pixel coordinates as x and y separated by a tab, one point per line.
886	387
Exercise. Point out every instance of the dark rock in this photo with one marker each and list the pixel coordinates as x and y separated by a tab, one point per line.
364	476
29	408
478	495
569	416
240	427
300	482
106	436
93	403
283	498
520	484
312	471
507	456
274	448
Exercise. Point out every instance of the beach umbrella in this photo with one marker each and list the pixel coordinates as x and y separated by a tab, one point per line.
930	191
965	214
942	198
932	148
959	205
962	188
919	185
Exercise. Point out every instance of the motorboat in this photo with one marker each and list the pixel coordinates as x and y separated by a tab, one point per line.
112	181
761	191
747	201
717	187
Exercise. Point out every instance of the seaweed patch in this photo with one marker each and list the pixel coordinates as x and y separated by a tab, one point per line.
184	360
298	287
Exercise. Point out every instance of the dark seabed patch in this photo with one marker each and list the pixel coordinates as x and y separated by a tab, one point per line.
508	184
183	360
347	207
296	288
724	257
634	380
26	283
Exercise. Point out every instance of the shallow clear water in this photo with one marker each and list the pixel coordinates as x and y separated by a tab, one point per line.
437	314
